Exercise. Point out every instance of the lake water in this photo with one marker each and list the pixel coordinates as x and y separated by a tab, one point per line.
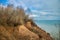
50	26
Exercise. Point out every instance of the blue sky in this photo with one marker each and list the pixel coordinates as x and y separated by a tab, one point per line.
41	9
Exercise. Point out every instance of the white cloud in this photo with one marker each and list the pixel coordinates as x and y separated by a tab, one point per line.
32	16
44	13
18	3
35	11
40	12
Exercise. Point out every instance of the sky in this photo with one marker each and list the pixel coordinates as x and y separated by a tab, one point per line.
40	9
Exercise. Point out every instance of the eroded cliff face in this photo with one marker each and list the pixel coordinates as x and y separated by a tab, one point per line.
41	33
19	33
23	33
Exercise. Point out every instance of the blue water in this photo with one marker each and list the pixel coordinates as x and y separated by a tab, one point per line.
50	26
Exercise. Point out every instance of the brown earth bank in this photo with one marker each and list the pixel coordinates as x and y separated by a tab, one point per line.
19	33
15	25
23	33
